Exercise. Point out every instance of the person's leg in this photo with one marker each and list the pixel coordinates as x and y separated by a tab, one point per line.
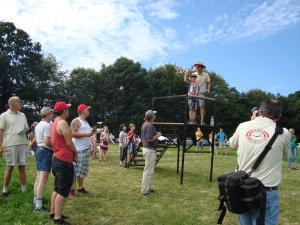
198	145
79	182
65	177
35	187
53	197
58	206
7	178
129	152
121	153
295	152
150	159
22	177
272	208
245	219
22	159
124	154
78	167
191	115
104	156
201	144
289	153
202	113
10	157
101	156
84	168
43	178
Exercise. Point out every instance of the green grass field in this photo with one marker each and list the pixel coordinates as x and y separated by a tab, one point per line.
115	195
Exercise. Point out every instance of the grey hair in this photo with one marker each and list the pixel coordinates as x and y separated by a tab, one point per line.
271	108
12	100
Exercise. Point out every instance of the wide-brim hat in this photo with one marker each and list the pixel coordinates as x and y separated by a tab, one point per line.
200	64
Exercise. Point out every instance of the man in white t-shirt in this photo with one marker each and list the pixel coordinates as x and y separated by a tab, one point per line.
250	139
43	155
204	83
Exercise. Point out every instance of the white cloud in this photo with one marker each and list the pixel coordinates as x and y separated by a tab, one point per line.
263	20
89	32
163	9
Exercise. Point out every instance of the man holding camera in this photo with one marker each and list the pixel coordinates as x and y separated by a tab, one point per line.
13	129
250	140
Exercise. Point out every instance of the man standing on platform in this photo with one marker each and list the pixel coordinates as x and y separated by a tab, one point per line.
82	133
62	166
13	127
149	137
203	80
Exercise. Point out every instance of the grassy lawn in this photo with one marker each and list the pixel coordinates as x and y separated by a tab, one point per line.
115	195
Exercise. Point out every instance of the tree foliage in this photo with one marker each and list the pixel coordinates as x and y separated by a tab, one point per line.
118	93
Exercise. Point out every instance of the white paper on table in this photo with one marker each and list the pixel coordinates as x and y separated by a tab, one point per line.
162	138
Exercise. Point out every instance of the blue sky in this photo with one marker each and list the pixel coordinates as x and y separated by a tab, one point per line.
251	43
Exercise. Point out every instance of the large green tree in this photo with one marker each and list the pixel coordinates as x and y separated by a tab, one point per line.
19	59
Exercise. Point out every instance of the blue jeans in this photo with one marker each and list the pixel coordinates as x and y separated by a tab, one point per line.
272	211
293	151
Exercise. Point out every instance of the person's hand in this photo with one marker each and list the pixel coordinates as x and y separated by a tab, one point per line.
90	134
75	157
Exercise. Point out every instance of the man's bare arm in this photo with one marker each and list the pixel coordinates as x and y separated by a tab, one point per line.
74	128
208	86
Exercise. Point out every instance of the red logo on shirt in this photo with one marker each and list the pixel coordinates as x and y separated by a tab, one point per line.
257	136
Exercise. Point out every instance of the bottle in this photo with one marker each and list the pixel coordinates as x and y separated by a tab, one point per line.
212	121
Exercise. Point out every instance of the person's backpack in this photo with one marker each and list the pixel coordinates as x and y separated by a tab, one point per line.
242	193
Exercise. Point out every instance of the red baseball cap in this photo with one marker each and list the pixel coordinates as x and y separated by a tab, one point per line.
82	107
60	106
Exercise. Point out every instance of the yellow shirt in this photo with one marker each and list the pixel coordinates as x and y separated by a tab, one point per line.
12	124
199	135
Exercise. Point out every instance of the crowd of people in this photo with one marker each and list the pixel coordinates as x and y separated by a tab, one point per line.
66	149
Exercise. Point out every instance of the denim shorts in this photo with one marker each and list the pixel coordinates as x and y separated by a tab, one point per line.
43	158
193	103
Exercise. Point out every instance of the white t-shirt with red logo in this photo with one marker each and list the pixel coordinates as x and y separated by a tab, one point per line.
250	139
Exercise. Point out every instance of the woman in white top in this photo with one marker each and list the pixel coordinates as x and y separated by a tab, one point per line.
43	156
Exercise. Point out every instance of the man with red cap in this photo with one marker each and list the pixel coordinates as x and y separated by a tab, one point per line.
82	133
65	154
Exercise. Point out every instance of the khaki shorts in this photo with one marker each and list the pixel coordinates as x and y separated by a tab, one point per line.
16	155
201	101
